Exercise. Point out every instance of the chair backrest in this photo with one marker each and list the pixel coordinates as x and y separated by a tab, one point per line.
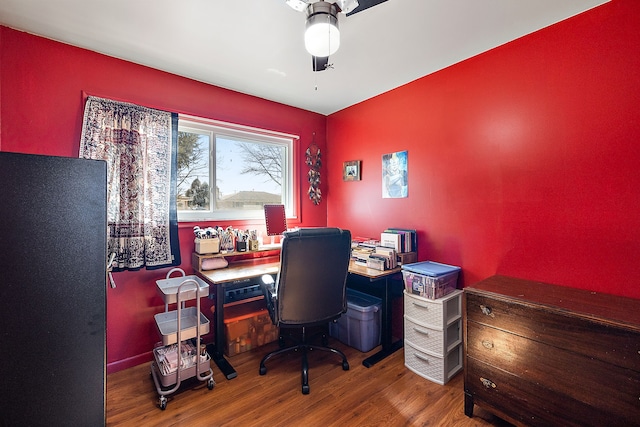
311	283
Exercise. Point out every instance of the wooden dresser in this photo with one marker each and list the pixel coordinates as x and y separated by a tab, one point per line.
545	355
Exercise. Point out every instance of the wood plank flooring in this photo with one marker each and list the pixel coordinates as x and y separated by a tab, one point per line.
387	394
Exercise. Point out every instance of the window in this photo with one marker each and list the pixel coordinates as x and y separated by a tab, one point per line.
228	172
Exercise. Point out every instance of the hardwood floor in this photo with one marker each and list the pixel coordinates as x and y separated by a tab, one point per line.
386	394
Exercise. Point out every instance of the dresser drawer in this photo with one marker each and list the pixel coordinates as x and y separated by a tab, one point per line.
432	340
578	333
533	404
605	387
439	369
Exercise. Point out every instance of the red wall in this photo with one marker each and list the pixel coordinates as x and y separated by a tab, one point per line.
41	89
523	161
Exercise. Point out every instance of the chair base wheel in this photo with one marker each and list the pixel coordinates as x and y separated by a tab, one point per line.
303	348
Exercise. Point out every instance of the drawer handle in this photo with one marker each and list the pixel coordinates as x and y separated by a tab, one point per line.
425	306
421	357
487	344
486	311
487	383
421	331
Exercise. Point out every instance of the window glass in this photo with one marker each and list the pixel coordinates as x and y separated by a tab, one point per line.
250	168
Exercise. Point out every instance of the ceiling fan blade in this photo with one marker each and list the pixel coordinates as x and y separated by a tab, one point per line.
365	4
319	63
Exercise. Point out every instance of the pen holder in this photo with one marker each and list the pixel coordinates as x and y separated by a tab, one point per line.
226	242
254	245
241	246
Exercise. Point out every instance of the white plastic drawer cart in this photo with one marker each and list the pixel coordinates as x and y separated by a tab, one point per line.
180	355
433	336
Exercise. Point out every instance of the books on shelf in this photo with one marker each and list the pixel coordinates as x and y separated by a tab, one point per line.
360	255
388	255
401	239
396	246
391	240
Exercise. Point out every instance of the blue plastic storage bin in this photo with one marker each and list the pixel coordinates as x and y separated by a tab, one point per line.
359	327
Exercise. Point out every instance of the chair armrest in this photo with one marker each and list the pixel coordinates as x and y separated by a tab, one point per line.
269	291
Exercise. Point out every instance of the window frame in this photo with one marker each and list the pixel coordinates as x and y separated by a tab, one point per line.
216	128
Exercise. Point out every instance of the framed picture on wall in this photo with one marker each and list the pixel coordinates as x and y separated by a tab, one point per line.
395	175
351	171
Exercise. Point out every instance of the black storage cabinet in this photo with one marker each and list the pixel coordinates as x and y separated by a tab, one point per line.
52	290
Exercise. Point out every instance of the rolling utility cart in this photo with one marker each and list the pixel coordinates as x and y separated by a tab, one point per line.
180	355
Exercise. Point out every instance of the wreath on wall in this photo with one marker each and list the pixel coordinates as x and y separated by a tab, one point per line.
314	161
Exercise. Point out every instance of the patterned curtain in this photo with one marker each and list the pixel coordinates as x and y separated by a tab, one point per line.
139	145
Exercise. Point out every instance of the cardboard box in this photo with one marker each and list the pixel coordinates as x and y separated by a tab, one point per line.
207	246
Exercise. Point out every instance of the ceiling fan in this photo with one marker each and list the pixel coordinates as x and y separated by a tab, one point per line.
322	36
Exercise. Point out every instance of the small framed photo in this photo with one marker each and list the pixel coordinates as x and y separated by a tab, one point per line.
351	171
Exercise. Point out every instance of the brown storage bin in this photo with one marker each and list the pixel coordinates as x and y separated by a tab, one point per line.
247	331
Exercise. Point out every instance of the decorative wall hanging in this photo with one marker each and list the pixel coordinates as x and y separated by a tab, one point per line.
139	145
394	175
314	161
351	171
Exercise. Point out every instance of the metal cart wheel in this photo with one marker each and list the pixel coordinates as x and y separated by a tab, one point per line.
211	383
163	403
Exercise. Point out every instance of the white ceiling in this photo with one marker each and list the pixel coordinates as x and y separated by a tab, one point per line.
256	46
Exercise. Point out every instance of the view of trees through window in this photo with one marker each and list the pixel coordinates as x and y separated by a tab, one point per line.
193	171
228	174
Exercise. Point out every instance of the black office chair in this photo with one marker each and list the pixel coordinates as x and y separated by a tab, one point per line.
310	289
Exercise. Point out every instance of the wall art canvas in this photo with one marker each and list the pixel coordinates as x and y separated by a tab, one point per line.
394	175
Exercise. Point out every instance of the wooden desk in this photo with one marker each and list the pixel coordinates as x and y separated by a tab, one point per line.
235	274
240	271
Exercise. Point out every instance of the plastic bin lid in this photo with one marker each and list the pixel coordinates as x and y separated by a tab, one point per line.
362	302
430	268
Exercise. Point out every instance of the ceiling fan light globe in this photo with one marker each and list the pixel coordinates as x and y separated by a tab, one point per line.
322	36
